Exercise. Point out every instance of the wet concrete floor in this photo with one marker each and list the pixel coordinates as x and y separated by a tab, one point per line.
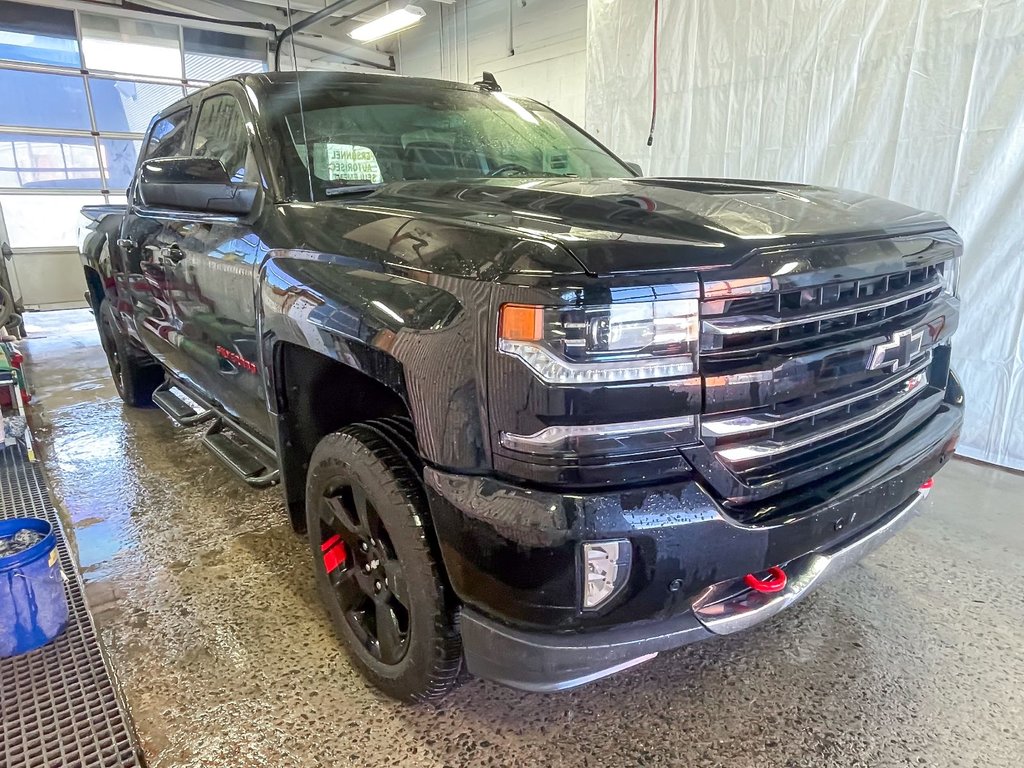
206	604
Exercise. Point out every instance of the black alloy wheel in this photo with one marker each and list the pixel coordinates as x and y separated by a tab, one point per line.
375	562
367	577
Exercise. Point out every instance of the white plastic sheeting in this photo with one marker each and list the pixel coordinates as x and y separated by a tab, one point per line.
922	102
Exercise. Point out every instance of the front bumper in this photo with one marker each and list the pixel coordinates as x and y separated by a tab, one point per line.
512	556
552	662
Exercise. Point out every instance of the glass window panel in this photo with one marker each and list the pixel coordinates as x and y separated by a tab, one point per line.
119	158
38	35
221	135
121	105
131	46
48	162
42	100
345	161
168	137
212	56
44	221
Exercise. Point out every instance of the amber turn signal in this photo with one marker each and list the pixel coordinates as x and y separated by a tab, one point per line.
521	322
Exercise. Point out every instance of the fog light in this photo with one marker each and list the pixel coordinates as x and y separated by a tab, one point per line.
606	565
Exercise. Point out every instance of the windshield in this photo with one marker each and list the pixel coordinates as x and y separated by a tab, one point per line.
362	135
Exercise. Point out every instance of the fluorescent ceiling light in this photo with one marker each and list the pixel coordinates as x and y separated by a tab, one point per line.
388	24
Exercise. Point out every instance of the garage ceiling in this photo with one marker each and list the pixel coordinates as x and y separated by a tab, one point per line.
325	44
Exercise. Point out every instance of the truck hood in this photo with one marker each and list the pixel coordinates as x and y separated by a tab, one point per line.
614	226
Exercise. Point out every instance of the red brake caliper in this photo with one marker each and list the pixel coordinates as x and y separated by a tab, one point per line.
775	581
334	553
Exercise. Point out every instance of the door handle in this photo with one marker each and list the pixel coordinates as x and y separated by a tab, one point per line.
126	243
172	253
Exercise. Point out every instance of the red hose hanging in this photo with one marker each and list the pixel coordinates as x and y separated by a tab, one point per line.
654	95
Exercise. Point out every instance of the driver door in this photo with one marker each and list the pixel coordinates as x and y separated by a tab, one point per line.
213	280
142	263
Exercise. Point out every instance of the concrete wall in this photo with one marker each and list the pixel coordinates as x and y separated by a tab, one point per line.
461	40
45	271
48	279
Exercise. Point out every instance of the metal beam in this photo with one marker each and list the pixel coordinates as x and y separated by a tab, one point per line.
346	49
323	13
359	13
306	6
117	10
309	21
301	43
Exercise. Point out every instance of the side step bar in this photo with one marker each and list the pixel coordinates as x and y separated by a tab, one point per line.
180	412
242	457
242	453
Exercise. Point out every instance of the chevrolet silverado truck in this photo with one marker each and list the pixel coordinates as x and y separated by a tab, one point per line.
539	416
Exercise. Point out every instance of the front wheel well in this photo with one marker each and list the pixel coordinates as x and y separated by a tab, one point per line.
315	396
96	293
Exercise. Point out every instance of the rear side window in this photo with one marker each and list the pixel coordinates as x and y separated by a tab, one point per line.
221	135
167	137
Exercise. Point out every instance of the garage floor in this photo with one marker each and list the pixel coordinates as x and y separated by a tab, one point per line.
206	603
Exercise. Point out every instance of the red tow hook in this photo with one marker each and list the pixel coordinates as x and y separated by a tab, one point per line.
774	581
334	553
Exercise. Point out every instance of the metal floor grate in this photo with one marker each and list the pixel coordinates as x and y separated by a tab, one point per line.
59	706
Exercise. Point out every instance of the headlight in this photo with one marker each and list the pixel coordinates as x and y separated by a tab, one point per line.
652	333
950	275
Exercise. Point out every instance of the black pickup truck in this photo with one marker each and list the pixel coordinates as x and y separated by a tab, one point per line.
539	415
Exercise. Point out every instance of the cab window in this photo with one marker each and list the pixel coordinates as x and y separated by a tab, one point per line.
167	136
221	135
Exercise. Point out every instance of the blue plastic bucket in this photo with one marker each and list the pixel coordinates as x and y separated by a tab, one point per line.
33	607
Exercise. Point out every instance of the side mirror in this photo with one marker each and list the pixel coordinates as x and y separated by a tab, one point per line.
194	184
635	168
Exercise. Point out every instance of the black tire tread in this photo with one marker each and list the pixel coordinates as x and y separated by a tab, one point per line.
400	431
138	380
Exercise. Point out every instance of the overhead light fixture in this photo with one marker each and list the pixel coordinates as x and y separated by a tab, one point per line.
388	24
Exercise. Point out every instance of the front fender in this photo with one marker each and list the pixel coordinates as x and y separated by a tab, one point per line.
417	337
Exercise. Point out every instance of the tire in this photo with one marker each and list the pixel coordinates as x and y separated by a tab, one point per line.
134	380
399	430
387	599
6	306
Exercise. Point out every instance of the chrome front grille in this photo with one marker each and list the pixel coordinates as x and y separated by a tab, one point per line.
860	403
795	385
774	320
791	428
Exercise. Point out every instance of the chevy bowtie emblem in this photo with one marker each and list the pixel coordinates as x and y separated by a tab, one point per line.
897	352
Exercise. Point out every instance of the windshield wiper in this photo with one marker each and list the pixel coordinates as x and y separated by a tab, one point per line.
352	188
